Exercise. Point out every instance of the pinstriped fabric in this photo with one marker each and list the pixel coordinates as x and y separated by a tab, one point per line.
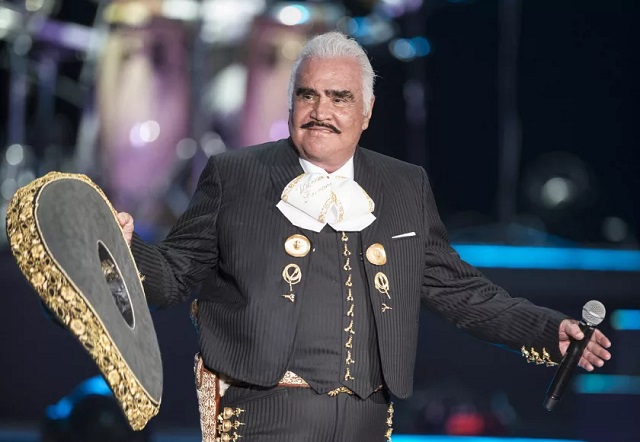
233	233
299	414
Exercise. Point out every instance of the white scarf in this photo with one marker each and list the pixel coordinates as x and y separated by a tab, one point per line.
315	198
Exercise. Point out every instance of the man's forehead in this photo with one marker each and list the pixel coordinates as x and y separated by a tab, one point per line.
338	75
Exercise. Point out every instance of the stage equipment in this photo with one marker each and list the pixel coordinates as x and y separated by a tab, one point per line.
67	241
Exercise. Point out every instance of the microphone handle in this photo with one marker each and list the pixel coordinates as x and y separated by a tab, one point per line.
565	370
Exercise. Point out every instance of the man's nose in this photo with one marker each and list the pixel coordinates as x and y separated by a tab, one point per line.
320	109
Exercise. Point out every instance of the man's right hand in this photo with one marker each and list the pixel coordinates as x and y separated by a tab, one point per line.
126	224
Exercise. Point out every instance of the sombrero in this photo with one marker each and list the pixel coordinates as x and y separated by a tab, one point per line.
67	241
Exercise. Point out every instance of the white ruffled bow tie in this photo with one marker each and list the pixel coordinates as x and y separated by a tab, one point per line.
313	200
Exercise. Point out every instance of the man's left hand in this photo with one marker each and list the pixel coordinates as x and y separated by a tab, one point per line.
595	354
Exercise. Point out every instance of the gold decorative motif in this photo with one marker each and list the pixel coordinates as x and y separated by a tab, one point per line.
350	313
207	390
228	413
349	295
347	375
226	424
346	251
533	356
297	245
292	275
376	254
349	360
287	190
349	283
387	433
349	329
335	392
291	379
382	284
66	301
385	307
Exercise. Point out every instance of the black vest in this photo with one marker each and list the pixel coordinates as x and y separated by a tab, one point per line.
336	341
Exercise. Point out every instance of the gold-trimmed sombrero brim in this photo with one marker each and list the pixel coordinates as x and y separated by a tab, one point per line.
67	241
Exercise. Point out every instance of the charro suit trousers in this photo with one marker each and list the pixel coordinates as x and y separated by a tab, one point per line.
292	414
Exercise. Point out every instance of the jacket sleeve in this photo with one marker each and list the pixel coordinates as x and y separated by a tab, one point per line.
185	257
461	294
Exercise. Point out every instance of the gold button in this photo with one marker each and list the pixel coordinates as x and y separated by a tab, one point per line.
227	413
376	254
297	245
226	426
225	437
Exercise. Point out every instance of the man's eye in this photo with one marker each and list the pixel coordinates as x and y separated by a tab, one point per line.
307	97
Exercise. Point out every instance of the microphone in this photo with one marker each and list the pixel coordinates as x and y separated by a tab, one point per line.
593	314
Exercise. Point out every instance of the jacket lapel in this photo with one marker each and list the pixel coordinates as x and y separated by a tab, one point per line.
285	166
369	176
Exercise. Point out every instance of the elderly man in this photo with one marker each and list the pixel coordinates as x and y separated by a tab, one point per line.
317	254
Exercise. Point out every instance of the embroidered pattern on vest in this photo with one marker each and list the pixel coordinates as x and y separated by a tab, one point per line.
349	330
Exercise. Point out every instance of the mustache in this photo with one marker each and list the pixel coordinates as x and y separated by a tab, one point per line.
319	124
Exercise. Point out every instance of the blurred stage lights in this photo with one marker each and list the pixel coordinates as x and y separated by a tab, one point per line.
615	229
407	49
9	20
557	191
292	15
415	438
607	384
8	188
625	319
549	258
14	154
397	8
144	133
228	21
186	148
367	30
212	143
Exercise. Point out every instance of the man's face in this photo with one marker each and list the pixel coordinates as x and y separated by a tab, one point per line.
327	117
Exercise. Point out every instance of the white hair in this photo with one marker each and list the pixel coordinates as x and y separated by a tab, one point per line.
330	45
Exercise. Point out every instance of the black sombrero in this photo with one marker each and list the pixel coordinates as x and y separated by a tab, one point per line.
67	241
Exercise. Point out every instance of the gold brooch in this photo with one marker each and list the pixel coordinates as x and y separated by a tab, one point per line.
297	245
291	275
376	254
382	284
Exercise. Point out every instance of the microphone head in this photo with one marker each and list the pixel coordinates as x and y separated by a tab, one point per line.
593	313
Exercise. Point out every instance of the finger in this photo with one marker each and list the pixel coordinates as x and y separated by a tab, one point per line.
593	359
584	363
601	339
573	330
124	219
598	351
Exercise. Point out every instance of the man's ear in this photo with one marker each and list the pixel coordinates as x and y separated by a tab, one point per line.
365	123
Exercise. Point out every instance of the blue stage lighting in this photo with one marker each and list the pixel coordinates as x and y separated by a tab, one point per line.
626	319
607	384
552	258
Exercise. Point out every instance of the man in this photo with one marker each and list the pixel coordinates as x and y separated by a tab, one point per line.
314	281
